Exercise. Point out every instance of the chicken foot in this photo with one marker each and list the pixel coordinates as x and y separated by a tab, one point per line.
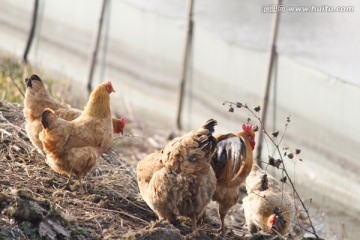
194	227
222	227
222	213
81	186
202	219
68	183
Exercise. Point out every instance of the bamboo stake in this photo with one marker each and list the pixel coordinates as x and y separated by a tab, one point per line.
188	40
269	68
32	31
96	46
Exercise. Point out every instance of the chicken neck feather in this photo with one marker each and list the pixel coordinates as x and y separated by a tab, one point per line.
99	103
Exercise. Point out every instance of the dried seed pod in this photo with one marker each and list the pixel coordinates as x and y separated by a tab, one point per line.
239	104
264	182
288	119
276	133
231	109
255	128
283	179
278	163
257	109
248	120
246	106
297	151
290	155
271	161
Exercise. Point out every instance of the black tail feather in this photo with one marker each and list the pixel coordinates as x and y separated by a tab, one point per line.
231	149
210	125
33	77
45	118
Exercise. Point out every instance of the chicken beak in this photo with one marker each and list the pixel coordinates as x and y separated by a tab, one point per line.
28	83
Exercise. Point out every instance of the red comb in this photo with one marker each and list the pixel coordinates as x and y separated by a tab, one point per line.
121	125
273	220
247	128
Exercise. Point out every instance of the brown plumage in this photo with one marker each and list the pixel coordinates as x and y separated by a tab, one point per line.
232	164
72	147
267	206
179	181
37	99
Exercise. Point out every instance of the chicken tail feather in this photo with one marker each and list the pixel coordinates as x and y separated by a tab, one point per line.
210	125
46	117
228	163
33	77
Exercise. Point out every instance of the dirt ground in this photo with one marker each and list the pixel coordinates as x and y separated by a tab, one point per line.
34	205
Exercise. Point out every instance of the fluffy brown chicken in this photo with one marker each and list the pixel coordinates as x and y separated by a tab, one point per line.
37	99
267	206
232	164
179	181
72	147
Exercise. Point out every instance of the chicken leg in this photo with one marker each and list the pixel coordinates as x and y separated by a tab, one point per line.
194	227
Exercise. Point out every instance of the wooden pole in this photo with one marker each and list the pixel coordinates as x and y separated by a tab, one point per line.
269	68
32	31
96	46
188	40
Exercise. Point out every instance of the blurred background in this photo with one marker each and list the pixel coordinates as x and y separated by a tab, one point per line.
315	74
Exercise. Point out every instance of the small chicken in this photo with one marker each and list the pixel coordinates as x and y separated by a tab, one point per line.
232	164
179	181
37	99
118	125
267	206
72	147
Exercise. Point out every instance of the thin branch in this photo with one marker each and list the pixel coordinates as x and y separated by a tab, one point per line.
293	186
121	212
17	87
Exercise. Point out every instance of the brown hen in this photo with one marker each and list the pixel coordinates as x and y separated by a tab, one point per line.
37	99
179	181
72	147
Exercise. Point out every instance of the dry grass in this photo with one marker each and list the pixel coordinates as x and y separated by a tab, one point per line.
111	208
13	72
111	205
